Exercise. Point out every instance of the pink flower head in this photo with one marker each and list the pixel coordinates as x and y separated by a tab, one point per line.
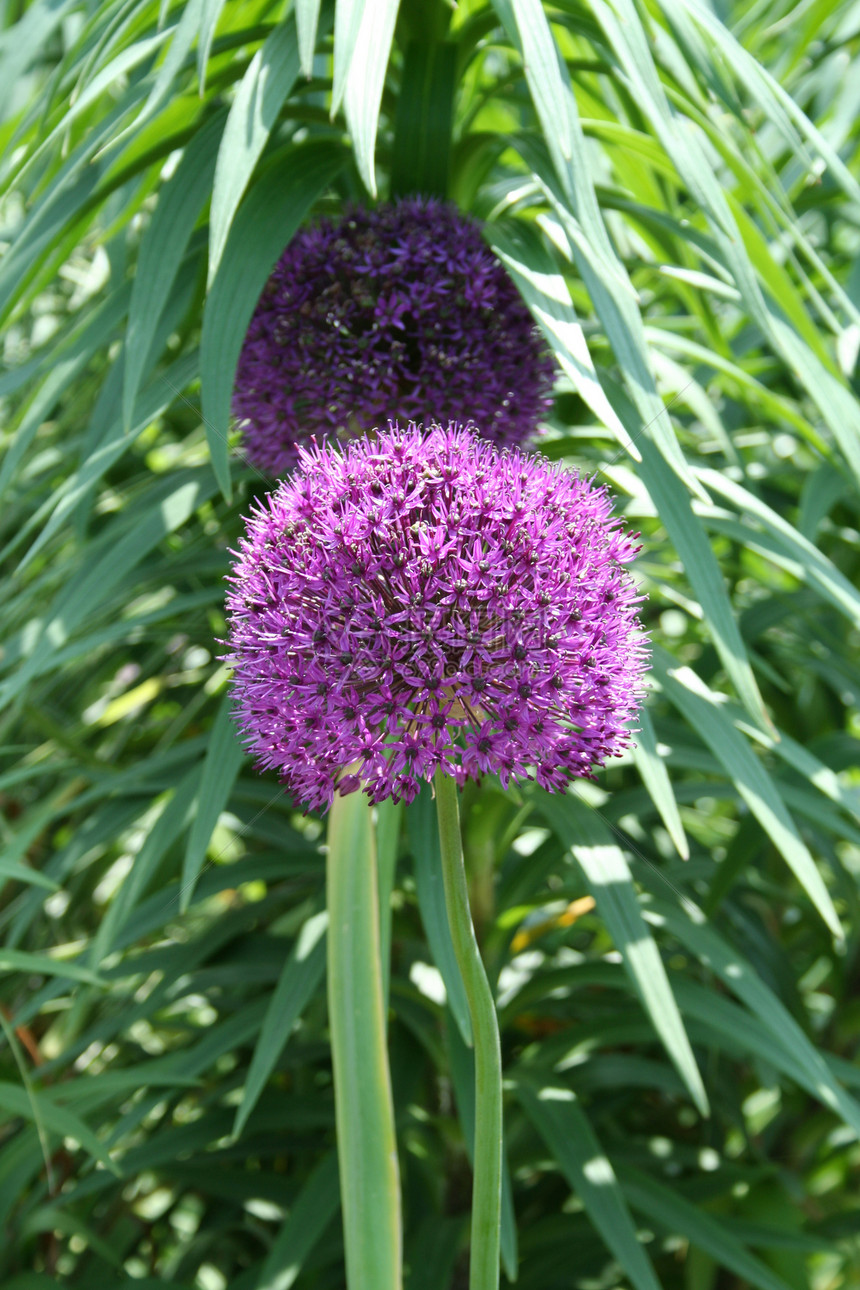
420	600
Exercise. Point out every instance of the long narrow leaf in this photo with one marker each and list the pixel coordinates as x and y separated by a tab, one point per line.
308	1219
655	777
265	223
755	786
567	1132
301	975
162	248
260	97
364	83
738	975
612	888
56	1118
424	840
221	766
664	1206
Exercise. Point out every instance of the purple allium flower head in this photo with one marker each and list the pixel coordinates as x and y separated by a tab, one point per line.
421	600
403	309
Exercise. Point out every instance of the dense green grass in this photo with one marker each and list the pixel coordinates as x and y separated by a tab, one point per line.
682	1088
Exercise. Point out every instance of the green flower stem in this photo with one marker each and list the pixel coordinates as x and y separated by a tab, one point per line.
364	1111
487	1187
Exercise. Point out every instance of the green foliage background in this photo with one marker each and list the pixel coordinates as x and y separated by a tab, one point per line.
674	189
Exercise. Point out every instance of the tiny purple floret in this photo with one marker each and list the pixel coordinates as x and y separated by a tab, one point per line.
403	307
422	600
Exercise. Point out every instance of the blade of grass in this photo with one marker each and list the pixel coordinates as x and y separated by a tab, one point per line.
348	17
545	292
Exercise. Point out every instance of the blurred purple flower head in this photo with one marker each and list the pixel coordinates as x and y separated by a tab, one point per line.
417	600
400	310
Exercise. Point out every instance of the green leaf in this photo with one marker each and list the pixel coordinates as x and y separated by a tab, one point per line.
421	155
70	359
664	1206
166	509
118	68
314	1208
56	1118
804	762
266	221
21	42
692	698
689	539
364	84
432	1250
261	95
424	840
221	766
173	818
822	489
546	293
51	1218
766	89
34	823
619	313
348	16
611	885
837	406
191	15
577	207
655	777
13	871
545	73
298	982
817	570
209	21
156	398
737	974
32	1280
46	965
559	1118
307	18
162	248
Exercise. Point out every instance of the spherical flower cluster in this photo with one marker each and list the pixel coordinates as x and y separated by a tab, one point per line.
403	308
415	601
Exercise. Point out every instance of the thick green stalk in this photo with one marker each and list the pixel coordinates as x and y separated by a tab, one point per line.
487	1186
364	1111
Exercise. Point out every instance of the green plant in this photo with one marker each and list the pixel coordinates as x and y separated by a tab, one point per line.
678	206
